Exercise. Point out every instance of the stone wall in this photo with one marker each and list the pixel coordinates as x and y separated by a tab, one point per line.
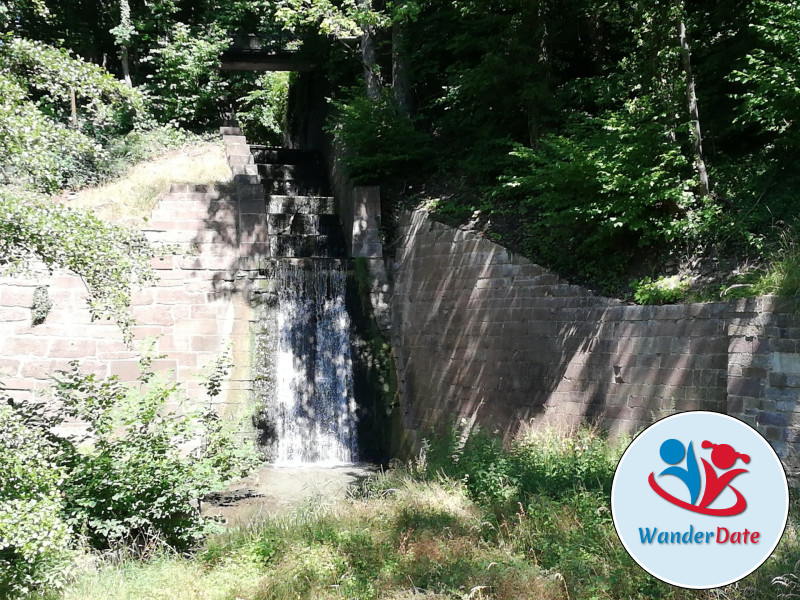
359	210
482	334
197	308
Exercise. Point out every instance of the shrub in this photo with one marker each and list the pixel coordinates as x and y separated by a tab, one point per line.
185	84
602	190
664	290
34	537
38	145
379	140
262	111
140	479
556	465
536	463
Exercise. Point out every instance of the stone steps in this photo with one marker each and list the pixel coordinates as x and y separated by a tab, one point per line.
285	156
230	130
299	217
306	246
239	160
289	171
287	204
220	212
302	224
296	187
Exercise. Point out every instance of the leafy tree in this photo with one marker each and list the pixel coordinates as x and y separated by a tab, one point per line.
137	483
185	85
771	74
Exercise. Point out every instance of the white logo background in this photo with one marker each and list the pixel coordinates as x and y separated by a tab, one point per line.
635	505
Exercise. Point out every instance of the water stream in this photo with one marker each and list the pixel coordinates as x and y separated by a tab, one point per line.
309	406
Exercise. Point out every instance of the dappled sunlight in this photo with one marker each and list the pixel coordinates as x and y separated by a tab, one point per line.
132	197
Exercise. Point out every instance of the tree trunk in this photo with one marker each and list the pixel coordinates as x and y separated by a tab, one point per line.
126	27
401	86
694	113
126	69
369	56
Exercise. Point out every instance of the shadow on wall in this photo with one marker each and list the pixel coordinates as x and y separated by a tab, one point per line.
487	336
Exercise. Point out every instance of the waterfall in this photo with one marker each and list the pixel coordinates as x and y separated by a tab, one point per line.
309	405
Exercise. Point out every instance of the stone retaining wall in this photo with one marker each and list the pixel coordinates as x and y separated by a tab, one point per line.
482	334
198	307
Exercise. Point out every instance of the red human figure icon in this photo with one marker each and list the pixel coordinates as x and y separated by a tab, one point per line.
724	457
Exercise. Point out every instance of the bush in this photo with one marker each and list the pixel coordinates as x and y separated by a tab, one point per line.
140	479
185	84
556	465
34	536
38	145
591	198
262	111
380	142
137	482
536	463
664	290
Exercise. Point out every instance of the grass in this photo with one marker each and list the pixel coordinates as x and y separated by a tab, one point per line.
414	533
132	197
166	577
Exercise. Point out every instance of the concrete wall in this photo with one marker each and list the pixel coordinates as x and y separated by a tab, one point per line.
359	210
198	306
485	335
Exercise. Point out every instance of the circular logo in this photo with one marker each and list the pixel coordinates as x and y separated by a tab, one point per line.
699	500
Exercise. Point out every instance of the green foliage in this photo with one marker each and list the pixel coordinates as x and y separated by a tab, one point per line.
771	75
779	276
41	305
541	464
112	260
143	142
185	86
592	97
137	481
38	147
409	533
379	140
148	463
34	537
586	191
262	111
663	290
335	19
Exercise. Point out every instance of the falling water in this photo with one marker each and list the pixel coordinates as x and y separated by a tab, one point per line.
310	407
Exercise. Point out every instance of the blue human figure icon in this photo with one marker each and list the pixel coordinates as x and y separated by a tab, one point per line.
672	452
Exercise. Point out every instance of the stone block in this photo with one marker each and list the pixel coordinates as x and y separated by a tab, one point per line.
11	314
777	419
153	316
43	369
743	386
785	362
73	348
24	346
16	296
206	343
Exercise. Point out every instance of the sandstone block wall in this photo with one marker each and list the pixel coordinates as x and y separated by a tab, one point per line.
485	335
198	307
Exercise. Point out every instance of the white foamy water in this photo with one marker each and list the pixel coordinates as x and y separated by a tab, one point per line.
312	408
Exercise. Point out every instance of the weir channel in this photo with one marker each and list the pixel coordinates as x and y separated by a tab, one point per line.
302	360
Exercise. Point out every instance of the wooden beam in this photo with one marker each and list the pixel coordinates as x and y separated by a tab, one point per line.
244	60
265	65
